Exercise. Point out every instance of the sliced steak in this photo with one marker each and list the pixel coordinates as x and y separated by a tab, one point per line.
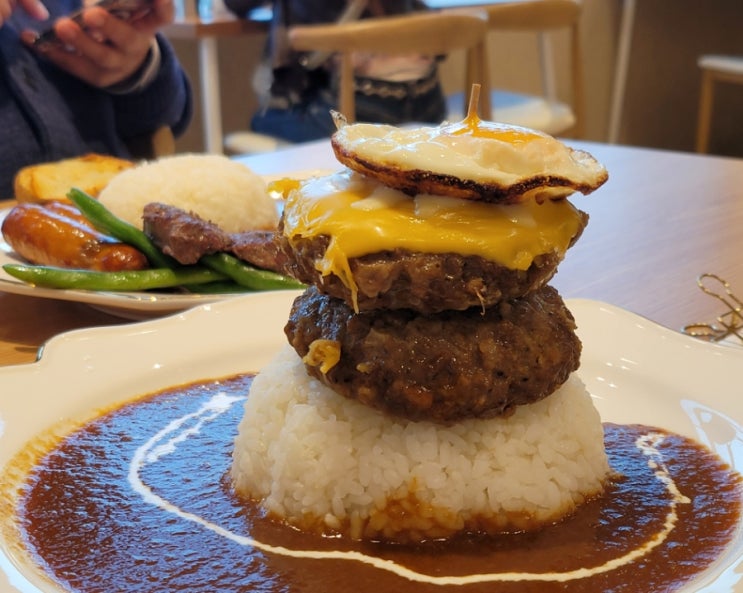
187	237
262	249
183	235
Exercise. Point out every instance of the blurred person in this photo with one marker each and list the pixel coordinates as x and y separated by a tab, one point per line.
300	88
102	84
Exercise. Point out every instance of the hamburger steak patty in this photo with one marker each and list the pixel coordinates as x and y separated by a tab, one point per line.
443	367
424	282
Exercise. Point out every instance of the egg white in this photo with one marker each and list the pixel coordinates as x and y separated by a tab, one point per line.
492	154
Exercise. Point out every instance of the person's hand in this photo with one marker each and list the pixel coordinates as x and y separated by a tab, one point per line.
105	50
33	7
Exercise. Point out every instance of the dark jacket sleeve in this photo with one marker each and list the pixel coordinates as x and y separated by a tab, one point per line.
167	100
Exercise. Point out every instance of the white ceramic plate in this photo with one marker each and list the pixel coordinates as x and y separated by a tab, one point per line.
129	305
637	371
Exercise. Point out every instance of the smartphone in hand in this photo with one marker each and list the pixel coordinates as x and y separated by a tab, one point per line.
127	10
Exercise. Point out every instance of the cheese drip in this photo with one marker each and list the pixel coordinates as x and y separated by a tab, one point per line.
361	216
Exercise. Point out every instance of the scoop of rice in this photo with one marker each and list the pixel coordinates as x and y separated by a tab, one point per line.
213	186
329	464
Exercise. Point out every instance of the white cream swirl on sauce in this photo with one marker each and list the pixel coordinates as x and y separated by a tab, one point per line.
165	442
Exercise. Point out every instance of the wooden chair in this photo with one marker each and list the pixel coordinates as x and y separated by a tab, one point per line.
543	112
715	68
431	33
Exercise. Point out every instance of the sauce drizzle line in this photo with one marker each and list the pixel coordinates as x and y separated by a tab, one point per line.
166	440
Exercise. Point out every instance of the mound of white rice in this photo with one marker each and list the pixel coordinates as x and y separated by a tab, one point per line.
213	186
322	462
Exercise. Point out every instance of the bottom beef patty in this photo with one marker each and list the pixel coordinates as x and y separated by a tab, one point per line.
443	367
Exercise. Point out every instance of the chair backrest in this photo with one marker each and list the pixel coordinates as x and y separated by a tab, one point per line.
544	17
715	68
429	33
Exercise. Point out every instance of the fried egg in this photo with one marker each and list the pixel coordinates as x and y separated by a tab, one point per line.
471	159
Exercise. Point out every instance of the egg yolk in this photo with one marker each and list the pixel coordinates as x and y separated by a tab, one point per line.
473	126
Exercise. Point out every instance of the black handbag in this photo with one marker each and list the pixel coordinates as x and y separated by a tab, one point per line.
298	78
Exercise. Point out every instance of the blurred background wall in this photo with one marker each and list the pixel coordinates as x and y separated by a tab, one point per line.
662	90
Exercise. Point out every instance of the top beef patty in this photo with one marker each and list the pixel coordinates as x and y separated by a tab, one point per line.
375	247
424	282
443	367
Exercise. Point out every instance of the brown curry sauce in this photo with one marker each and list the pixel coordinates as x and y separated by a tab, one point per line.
89	530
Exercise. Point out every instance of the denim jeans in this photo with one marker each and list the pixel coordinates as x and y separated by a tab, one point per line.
312	120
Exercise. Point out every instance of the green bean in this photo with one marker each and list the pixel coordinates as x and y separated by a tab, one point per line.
247	275
137	280
107	222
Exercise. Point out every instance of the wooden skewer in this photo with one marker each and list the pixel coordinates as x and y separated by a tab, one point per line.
474	101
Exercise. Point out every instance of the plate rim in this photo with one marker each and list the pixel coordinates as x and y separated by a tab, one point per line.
122	304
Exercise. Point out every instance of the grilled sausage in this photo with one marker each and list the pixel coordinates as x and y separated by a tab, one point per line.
55	235
68	210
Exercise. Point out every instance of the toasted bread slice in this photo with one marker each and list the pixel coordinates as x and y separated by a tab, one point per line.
51	181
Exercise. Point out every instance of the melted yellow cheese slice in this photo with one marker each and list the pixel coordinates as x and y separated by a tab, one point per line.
362	217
